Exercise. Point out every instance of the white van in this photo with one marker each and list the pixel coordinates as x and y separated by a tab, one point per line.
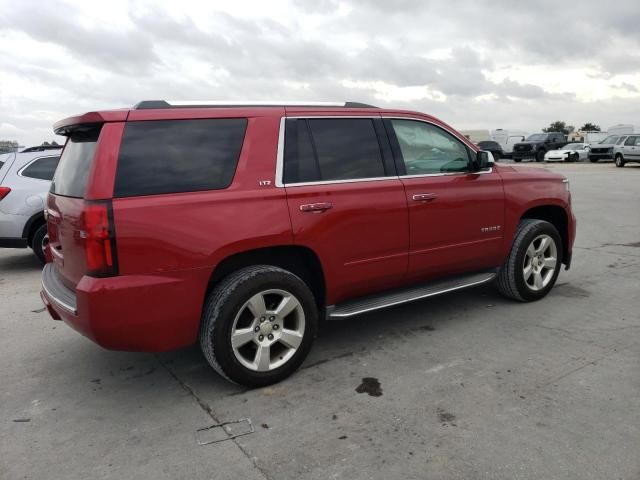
507	138
621	129
595	137
476	135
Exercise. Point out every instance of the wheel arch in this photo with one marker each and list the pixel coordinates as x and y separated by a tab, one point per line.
299	260
557	216
34	222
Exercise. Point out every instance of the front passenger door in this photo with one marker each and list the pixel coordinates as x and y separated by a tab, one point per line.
456	217
632	149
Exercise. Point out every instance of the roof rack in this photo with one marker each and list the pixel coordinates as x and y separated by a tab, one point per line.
154	104
41	148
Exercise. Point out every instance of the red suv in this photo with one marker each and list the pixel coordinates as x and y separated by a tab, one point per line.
241	225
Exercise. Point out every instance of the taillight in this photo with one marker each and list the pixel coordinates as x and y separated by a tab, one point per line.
99	239
4	191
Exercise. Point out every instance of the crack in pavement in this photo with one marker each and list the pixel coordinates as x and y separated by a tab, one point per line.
209	411
581	367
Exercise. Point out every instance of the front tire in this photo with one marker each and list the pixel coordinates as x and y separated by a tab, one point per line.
540	155
533	265
619	161
258	325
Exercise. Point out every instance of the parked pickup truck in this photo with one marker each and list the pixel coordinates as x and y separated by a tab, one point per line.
536	145
240	226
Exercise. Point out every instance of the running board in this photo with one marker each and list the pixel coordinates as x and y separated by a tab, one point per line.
411	294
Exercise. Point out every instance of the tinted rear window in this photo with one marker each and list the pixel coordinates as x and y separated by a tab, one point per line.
332	149
72	173
170	156
42	168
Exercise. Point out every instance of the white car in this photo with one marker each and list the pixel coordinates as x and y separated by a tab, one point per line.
572	152
25	178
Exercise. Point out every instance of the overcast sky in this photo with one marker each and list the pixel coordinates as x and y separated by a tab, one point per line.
475	64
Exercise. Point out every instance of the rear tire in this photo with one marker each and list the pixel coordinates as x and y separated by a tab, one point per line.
517	160
242	335
37	243
532	267
619	161
593	160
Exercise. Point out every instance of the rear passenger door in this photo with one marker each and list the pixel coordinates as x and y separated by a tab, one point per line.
346	202
456	216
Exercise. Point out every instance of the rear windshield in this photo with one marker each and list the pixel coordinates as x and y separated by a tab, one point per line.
170	156
70	179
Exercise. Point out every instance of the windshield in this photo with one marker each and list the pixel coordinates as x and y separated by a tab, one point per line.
573	146
536	137
610	139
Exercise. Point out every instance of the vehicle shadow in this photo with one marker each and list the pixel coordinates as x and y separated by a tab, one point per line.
25	260
336	340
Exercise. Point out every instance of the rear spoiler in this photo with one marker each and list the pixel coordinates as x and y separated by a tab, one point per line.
87	120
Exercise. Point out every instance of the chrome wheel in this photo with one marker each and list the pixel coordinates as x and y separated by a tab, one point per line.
268	330
540	262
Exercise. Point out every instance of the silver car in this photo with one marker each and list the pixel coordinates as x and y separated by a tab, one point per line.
627	149
25	178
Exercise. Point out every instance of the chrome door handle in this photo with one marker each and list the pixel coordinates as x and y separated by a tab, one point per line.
316	207
424	197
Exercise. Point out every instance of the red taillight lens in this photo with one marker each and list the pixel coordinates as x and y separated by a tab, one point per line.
4	191
99	239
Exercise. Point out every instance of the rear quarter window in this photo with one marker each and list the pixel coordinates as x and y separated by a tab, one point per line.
72	173
41	168
172	156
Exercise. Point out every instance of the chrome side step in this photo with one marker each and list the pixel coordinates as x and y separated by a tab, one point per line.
411	294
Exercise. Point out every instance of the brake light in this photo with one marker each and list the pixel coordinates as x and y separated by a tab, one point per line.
98	235
4	191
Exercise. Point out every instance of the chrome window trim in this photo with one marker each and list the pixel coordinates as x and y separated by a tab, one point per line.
33	160
280	153
348	180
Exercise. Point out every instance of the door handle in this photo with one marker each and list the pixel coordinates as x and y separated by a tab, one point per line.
316	207
424	197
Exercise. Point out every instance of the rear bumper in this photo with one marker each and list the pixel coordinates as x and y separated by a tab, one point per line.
131	312
13	243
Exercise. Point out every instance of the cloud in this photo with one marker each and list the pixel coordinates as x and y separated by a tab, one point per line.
448	58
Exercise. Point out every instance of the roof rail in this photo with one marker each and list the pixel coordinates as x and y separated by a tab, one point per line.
154	104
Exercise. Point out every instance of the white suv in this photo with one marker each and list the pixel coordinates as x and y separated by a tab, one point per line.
25	178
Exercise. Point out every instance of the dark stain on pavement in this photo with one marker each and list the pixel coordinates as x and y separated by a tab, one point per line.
370	386
445	417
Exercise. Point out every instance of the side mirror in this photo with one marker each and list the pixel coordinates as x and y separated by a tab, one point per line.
482	161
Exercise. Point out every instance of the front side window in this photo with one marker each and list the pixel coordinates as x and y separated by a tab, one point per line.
170	156
427	149
327	149
42	168
630	141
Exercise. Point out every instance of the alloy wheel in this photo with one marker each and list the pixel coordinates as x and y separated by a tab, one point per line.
540	262
268	330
